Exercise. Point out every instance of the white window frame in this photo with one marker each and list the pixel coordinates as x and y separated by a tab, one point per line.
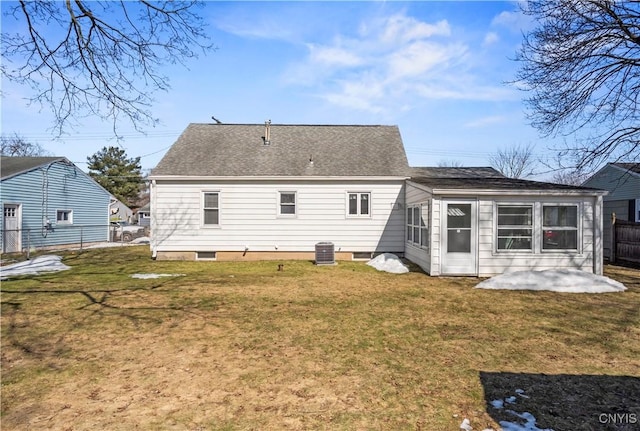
531	227
294	204
69	219
578	229
421	227
203	208
359	204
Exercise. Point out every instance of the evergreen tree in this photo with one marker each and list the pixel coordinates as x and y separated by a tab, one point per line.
120	175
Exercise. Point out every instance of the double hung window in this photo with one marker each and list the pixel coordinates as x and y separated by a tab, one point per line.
559	227
515	227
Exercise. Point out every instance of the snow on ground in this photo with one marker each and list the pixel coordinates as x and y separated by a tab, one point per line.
529	420
35	266
388	262
556	280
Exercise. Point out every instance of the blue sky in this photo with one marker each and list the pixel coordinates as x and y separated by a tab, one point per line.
438	70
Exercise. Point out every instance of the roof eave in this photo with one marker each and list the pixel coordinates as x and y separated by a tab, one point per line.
275	178
518	192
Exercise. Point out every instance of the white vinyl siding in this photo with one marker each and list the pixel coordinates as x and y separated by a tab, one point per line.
492	261
419	253
249	216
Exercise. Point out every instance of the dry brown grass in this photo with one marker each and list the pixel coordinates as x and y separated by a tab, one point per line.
233	346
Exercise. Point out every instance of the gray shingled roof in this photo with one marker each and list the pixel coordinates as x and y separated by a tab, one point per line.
496	183
457	172
238	150
10	166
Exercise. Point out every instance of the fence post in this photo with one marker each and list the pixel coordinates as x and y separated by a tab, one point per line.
28	243
614	241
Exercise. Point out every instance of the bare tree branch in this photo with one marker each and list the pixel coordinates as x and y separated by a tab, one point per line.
17	146
100	58
581	66
514	162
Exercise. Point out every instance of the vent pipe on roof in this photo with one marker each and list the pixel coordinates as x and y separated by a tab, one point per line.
266	139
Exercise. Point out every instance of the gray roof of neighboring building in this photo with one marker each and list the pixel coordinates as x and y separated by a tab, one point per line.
633	167
237	150
10	166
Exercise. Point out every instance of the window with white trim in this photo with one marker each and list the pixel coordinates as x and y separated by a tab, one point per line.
64	216
210	208
559	227
417	225
359	204
287	204
515	227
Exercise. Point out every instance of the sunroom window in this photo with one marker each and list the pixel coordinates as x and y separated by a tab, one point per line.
515	227
559	227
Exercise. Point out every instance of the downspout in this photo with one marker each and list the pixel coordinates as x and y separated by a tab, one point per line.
152	223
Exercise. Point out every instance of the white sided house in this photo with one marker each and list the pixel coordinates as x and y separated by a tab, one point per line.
249	192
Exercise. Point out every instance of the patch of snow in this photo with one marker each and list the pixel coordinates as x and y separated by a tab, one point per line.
497	404
35	266
140	240
144	276
556	280
530	420
529	425
466	425
388	262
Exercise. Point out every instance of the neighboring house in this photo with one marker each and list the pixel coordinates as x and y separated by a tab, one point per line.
622	180
119	211
144	215
49	202
243	192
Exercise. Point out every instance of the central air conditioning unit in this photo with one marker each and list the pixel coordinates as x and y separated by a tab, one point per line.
325	253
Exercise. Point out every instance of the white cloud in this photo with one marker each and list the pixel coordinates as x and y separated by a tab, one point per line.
391	63
399	29
333	56
515	21
490	38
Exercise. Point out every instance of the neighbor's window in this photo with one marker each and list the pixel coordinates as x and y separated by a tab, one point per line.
359	204
287	203
211	208
64	216
559	227
515	226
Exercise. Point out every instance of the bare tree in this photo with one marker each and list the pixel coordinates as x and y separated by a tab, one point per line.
571	177
17	146
450	164
99	58
514	162
581	65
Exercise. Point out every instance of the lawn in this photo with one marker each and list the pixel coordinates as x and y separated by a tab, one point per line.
243	346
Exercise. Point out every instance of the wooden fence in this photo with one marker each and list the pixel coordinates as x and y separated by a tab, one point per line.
625	241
